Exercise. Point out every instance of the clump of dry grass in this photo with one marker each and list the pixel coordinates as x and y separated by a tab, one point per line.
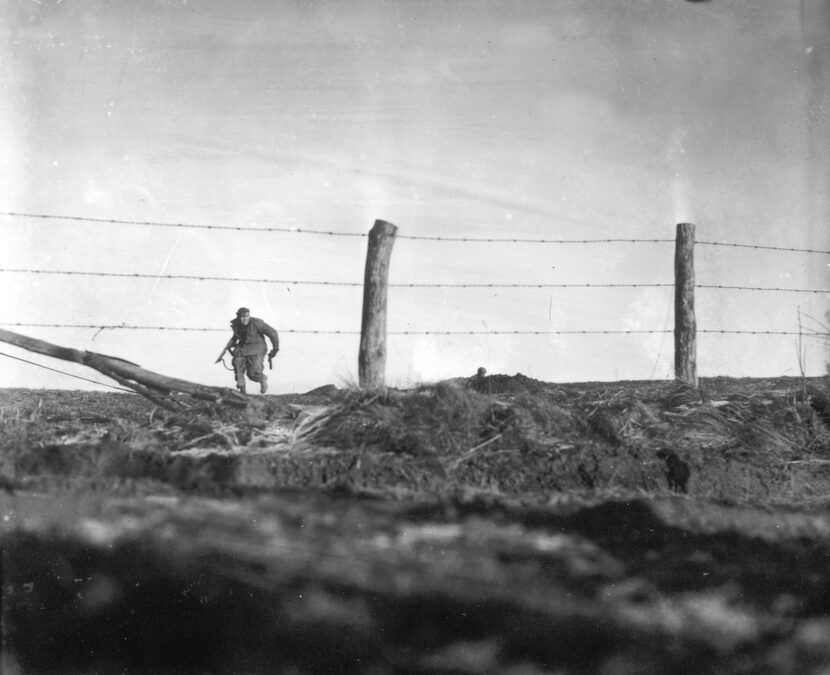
450	423
775	427
429	420
447	420
772	424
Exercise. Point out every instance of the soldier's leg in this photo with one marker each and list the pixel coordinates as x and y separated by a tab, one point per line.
256	372
239	371
253	365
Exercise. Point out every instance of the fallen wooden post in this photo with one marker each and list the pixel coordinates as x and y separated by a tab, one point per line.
158	388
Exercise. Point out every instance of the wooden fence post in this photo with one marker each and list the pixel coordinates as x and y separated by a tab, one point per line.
685	338
371	360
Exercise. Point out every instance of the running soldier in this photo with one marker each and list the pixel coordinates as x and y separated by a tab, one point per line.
249	348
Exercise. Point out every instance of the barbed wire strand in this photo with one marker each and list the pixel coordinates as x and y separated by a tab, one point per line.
437	238
520	240
117	326
101	327
188	277
298	282
763	248
299	230
194	226
62	372
762	288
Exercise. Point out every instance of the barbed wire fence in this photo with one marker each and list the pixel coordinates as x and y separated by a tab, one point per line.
820	332
300	230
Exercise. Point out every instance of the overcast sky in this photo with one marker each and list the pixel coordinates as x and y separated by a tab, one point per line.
549	119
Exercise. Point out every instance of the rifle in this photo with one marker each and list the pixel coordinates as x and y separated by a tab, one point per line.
226	348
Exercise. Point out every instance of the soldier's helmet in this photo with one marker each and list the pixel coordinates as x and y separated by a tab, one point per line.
242	310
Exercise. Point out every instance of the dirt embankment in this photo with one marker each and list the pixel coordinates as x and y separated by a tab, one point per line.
502	525
728	440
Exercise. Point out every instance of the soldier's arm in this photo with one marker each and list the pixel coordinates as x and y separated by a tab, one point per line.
228	348
272	334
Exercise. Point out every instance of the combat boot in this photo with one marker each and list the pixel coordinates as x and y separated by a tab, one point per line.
263	384
241	388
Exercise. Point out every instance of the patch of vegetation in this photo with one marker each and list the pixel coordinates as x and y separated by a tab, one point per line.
727	440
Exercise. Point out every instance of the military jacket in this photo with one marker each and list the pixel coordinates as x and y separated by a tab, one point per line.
250	339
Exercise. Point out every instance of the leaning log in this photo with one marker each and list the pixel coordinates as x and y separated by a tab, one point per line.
158	388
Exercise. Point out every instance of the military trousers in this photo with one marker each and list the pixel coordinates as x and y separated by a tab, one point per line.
248	364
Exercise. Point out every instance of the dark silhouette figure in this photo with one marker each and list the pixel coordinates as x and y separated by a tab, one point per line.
479	380
677	471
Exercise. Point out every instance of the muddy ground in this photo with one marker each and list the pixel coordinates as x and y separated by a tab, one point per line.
500	525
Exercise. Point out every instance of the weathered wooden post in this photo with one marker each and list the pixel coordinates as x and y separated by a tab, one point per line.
371	360
685	338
